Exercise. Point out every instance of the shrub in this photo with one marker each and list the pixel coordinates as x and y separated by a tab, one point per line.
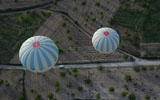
72	94
54	2
94	19
100	68
98	96
151	68
83	3
97	3
7	84
136	69
74	69
156	76
69	84
132	97
124	93
60	50
50	96
15	1
128	78
111	89
125	56
1	81
80	88
75	74
63	24
143	68
38	97
56	41
31	90
62	74
57	84
68	49
67	30
69	37
87	80
21	98
147	97
57	89
125	86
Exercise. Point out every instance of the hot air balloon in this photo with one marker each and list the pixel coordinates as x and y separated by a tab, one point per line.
38	54
105	40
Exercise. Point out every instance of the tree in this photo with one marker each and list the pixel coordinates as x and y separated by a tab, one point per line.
69	37
147	97
74	69
57	89
62	74
111	89
125	56
72	94
60	50
57	84
132	97
80	88
128	78
97	3
124	93
100	68
1	81
87	80
98	96
69	84
38	97
136	69
50	96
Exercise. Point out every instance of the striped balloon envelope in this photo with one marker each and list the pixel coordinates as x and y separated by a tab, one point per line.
105	40
38	54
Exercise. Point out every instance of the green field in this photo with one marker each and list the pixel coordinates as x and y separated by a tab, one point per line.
15	29
146	22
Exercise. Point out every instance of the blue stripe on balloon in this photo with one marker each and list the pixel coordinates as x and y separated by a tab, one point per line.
44	39
51	46
48	41
51	53
24	52
98	44
46	57
102	46
117	43
115	36
26	57
32	60
113	47
40	65
107	47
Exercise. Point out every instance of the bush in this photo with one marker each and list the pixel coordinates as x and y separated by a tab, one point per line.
156	76
60	50
100	68
87	80
98	96
143	68
7	84
132	97
1	81
136	69
125	56
57	89
111	89
56	41
74	69
147	97
63	24
38	97
125	86
15	1
68	49
54	2
151	68
21	98
124	93
62	74
128	78
67	30
69	84
97	3
94	19
69	37
50	96
75	74
31	90
83	3
72	94
57	84
80	88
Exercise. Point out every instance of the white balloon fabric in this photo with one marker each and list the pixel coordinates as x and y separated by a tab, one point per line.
38	54
105	40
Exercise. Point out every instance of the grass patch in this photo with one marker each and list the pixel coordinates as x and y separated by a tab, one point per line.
17	28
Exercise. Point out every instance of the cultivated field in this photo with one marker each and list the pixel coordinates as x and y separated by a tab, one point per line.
105	83
18	4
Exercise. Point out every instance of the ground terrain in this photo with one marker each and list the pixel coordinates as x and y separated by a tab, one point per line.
143	83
